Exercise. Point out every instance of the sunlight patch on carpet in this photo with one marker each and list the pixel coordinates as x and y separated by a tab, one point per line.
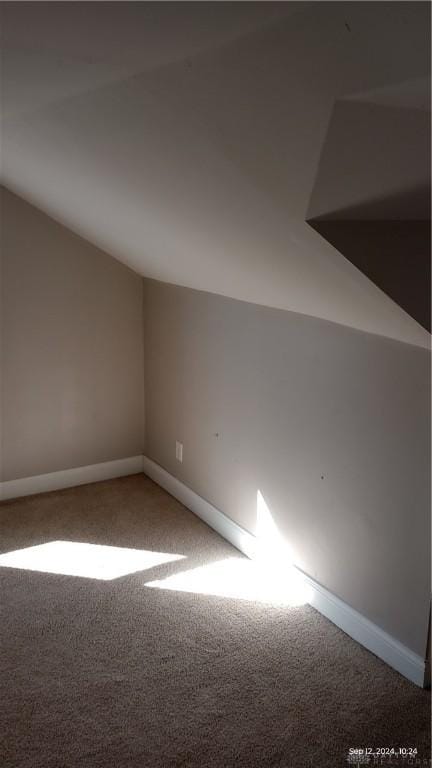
241	579
91	561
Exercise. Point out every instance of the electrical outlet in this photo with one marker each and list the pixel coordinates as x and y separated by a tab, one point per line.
179	451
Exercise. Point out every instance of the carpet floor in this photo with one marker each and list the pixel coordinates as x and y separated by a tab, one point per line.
106	672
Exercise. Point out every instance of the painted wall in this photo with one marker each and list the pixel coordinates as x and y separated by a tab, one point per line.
72	348
384	152
330	424
199	169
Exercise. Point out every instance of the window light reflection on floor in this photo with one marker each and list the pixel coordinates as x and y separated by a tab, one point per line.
268	577
241	579
92	561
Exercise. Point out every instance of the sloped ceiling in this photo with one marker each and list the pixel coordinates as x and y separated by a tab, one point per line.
380	220
185	138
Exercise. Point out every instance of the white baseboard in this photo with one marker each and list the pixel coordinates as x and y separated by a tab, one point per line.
383	645
67	478
228	529
368	634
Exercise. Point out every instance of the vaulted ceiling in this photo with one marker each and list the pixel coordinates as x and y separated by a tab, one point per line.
189	139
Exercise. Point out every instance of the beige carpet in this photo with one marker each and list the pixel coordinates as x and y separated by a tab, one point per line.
115	674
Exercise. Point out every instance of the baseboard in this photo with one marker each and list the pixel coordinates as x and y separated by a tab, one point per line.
67	478
368	634
228	529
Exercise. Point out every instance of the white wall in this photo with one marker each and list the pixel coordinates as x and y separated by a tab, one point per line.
71	349
331	425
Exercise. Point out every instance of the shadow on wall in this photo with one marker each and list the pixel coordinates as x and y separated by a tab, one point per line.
395	255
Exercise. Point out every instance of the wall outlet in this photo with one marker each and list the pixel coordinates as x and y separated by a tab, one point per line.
179	451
